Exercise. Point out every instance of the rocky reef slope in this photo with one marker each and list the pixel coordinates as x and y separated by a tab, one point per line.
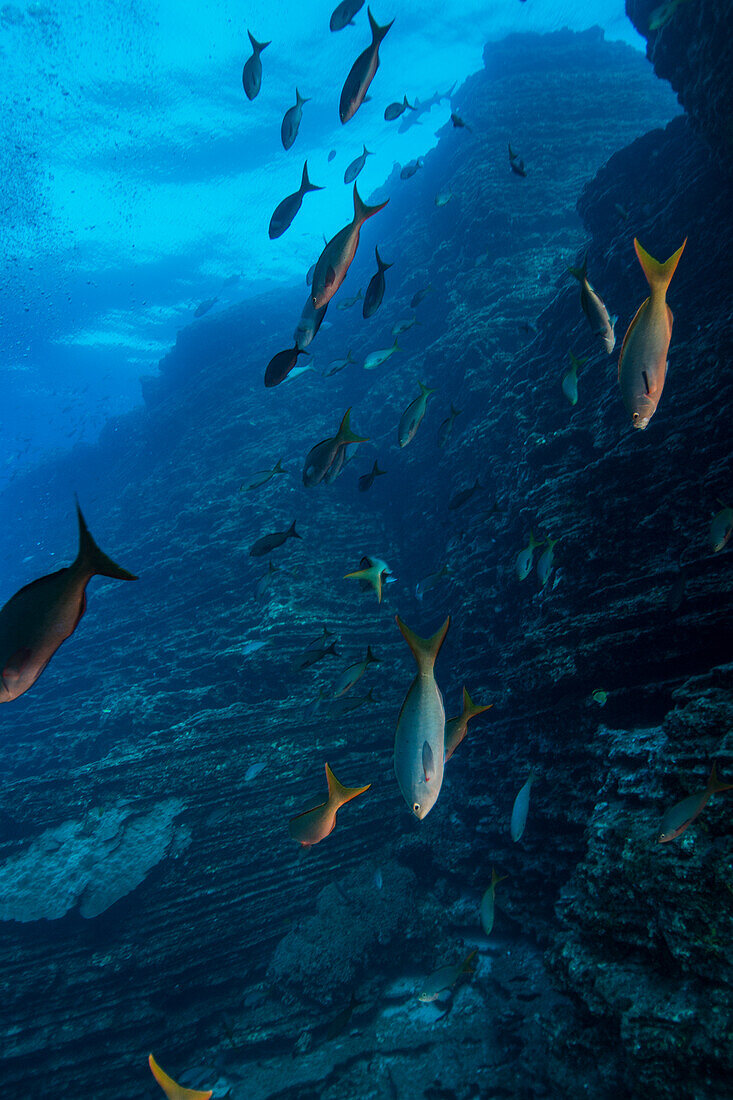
158	707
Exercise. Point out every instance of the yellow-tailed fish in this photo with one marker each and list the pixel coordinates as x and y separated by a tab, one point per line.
419	747
262	478
520	809
642	364
487	902
375	358
677	820
523	564
721	528
545	562
324	454
570	380
456	728
172	1089
374	575
599	696
429	582
593	307
314	825
335	260
411	418
445	978
351	675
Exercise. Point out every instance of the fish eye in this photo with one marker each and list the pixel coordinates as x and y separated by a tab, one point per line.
416	807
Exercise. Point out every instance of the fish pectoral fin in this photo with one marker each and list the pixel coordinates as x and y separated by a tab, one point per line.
428	762
645	376
16	664
330	277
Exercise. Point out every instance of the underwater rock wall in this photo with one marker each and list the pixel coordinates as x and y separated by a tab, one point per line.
166	692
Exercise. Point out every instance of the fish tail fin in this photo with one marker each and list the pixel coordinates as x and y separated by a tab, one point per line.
94	560
467	966
301	99
533	542
380	262
470	709
350	357
497	878
362	211
378	32
377	471
425	389
370	658
305	183
659	276
424	650
291	532
715	785
277	468
345	434
580	272
454	410
171	1088
340	794
258	47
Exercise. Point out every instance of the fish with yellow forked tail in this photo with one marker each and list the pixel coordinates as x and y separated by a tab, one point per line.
594	308
681	815
419	746
335	260
456	728
440	981
487	902
315	825
373	572
642	364
172	1089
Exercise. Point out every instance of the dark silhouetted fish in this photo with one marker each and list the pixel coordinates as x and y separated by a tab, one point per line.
356	166
419	295
252	71
516	164
332	154
286	210
271	542
411	168
367	480
291	121
44	613
463	497
343	15
335	260
312	656
262	477
320	457
422	108
281	365
446	428
375	290
362	72
204	307
310	321
396	109
458	123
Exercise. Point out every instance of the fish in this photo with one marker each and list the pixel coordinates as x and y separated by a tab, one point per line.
356	166
348	703
378	880
367	480
315	825
600	323
335	260
545	562
570	380
463	496
336	467
347	303
523	564
375	290
262	478
332	154
422	108
642	364
318	641
253	771
265	580
599	696
43	614
315	705
412	416
516	164
487	902
662	15
419	295
419	746
446	428
343	15
681	816
621	211
281	365
403	326
320	457
445	978
351	675
312	656
408	170
456	728
291	121
443	197
271	542
375	358
285	211
172	1089
427	583
458	123
396	109
520	809
204	307
721	528
337	365
362	72
373	572
252	71
298	372
310	321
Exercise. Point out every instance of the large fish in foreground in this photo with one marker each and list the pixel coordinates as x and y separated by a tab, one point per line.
286	210
335	260
593	307
420	738
642	364
362	72
39	617
315	825
172	1089
324	454
252	71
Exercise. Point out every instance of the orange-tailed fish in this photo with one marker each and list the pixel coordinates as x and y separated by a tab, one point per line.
676	820
594	309
642	364
445	978
172	1089
252	71
314	825
456	728
362	72
319	458
43	614
419	746
351	675
721	528
487	902
335	260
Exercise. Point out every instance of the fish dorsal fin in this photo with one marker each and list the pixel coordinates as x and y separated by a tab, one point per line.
424	650
172	1089
428	762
